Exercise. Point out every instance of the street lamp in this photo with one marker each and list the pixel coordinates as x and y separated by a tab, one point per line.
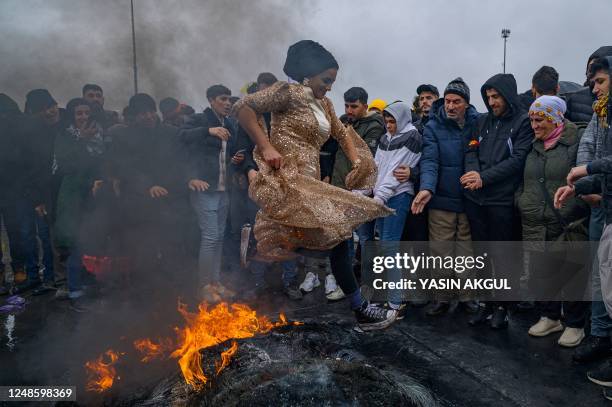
505	33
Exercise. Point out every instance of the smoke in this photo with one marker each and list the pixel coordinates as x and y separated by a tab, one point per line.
182	46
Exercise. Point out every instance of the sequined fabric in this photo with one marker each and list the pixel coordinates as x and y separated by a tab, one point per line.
297	210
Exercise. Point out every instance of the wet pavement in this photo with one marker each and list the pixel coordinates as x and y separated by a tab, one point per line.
461	366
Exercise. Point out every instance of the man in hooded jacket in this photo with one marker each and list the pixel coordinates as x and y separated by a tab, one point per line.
579	103
494	163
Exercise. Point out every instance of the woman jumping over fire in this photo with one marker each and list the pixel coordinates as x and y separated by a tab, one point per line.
297	210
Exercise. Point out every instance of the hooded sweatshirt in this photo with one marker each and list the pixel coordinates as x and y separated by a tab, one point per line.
600	169
502	147
579	103
402	148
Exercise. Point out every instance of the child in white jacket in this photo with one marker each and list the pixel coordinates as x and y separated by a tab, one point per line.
401	145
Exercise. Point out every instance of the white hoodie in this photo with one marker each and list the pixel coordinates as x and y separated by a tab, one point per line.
404	148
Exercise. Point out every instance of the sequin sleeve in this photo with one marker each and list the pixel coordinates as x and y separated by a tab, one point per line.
363	174
273	99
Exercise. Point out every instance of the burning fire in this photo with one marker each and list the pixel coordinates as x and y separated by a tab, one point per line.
101	373
203	329
208	328
152	350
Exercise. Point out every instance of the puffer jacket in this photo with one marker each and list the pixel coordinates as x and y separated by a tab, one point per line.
443	155
548	168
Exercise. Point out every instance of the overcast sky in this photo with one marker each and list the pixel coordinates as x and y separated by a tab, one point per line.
388	47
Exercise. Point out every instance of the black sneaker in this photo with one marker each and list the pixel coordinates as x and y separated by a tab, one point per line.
500	318
602	375
401	311
25	287
484	313
592	348
293	292
371	317
438	308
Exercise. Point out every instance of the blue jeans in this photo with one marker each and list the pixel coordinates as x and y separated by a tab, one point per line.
258	269
29	224
211	209
390	229
600	320
74	269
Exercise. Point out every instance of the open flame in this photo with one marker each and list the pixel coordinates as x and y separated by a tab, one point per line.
151	350
205	328
101	373
208	328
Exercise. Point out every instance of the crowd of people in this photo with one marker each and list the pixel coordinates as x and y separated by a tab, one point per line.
256	182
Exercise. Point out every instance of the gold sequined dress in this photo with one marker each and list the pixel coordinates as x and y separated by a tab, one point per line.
297	209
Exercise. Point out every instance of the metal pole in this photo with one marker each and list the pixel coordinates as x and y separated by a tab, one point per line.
504	54
505	33
134	49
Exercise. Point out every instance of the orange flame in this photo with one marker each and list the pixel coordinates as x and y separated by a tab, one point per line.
101	374
203	329
152	350
226	357
208	328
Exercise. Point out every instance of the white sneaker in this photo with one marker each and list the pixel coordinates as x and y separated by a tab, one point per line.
545	326
332	291
311	281
330	284
571	337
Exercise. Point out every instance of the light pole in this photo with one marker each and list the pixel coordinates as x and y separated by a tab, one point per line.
505	33
134	49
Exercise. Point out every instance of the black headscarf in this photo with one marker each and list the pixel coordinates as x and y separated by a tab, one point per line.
306	59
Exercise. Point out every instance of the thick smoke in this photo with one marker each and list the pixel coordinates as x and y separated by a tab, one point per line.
182	46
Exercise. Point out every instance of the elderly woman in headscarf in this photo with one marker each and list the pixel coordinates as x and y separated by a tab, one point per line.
297	210
553	155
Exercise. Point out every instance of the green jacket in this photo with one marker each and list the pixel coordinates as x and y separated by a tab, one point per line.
370	127
78	166
538	219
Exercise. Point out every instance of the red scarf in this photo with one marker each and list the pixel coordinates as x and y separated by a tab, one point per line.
553	137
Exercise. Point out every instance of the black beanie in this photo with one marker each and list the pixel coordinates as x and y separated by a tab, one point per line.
458	87
306	59
140	103
38	100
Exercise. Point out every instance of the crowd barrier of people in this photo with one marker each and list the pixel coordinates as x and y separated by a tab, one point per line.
188	197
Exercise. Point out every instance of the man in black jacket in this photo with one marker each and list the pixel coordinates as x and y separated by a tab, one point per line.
209	142
494	164
37	138
153	196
